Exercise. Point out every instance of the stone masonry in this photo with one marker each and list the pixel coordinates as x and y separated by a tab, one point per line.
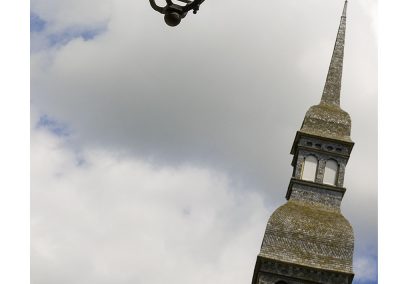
308	240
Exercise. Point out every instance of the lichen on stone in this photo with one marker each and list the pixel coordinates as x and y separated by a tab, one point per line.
306	235
327	121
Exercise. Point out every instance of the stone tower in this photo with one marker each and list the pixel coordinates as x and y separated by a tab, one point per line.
307	240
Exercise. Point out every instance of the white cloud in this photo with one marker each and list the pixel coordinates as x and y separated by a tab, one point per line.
117	219
223	92
370	7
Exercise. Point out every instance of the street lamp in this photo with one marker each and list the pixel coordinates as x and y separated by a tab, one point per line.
174	13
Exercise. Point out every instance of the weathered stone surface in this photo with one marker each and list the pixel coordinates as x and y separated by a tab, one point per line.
273	272
322	154
308	240
331	93
315	196
329	121
311	236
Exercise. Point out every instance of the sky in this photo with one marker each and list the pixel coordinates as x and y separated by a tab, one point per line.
169	147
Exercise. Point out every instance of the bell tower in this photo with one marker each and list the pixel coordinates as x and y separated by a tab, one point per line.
308	240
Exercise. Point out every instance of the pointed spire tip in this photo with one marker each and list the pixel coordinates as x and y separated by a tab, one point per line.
331	93
344	9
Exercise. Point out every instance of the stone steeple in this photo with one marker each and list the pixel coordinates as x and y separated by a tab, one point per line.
331	93
327	119
308	240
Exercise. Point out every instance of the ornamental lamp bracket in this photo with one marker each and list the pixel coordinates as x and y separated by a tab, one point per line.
174	13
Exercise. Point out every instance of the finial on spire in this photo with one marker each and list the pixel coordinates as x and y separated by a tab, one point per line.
344	9
333	84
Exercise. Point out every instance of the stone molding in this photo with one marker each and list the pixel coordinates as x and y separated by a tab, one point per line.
270	271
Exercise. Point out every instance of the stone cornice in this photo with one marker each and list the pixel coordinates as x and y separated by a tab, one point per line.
311	184
300	134
293	271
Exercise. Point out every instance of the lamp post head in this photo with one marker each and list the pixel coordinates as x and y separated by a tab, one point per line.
174	13
172	19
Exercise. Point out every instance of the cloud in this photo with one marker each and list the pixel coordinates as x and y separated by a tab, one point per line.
366	269
60	15
224	92
122	220
36	23
54	126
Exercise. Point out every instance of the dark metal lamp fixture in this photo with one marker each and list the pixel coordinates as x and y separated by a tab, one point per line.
174	13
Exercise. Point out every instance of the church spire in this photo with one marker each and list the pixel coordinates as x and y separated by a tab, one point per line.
308	240
331	94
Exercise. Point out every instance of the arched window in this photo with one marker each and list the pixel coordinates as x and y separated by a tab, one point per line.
310	168
331	170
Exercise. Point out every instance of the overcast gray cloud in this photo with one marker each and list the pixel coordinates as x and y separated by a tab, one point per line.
224	92
120	220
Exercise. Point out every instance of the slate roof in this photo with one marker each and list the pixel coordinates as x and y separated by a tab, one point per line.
309	236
